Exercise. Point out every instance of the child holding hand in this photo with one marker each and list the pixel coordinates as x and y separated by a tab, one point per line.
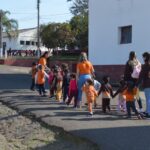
121	97
107	93
90	93
73	90
130	93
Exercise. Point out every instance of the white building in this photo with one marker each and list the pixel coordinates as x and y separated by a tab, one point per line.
117	27
26	40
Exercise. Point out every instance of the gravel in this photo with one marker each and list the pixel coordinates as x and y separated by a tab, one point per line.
20	133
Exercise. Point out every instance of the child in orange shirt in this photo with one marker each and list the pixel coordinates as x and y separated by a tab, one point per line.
90	93
130	93
41	80
33	72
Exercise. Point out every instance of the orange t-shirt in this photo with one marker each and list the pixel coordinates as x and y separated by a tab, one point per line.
42	61
130	96
85	67
90	92
41	77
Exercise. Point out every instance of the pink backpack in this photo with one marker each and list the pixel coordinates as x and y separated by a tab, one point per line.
136	71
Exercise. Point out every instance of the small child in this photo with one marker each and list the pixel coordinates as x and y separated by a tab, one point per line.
50	81
130	93
33	72
65	86
107	93
58	83
121	98
90	93
73	90
41	80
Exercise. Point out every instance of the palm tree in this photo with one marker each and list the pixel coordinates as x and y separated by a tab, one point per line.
10	26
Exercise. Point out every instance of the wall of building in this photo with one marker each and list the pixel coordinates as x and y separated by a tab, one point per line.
23	35
106	16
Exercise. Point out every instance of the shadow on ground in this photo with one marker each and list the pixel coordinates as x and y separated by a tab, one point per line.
120	138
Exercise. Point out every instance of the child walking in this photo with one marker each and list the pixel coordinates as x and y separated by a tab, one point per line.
41	80
33	72
58	83
130	93
121	97
90	93
73	90
107	93
50	81
65	86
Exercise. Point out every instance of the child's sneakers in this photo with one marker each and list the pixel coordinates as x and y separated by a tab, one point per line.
140	110
90	114
140	117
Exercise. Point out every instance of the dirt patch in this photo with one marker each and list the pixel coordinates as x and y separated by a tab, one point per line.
20	133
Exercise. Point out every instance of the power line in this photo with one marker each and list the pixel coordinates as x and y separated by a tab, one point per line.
17	13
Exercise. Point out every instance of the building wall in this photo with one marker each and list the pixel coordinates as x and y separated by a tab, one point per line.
106	16
26	35
11	43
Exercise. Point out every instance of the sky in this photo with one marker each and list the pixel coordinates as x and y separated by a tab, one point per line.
25	11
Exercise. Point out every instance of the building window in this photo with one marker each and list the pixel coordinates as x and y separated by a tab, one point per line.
125	34
27	42
32	43
22	42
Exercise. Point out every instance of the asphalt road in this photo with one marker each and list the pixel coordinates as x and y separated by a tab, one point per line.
110	131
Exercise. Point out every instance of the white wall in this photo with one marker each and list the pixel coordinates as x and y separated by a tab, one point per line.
26	35
10	43
105	18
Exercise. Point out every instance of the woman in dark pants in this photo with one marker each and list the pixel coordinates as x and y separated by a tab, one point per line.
128	74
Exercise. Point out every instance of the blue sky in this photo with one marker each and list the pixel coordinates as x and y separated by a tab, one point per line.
25	11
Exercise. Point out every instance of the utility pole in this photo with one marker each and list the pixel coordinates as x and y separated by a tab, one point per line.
38	27
1	43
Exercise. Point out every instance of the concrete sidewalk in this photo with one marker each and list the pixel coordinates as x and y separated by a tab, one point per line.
110	132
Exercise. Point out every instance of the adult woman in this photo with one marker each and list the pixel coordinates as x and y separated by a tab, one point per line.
132	72
43	60
132	68
145	79
85	71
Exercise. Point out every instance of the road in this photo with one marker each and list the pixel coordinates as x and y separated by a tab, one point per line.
110	131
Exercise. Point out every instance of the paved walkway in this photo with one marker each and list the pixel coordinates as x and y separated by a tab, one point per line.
110	132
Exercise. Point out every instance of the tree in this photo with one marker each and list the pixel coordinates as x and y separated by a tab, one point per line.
65	35
49	35
10	26
79	26
57	35
79	7
79	23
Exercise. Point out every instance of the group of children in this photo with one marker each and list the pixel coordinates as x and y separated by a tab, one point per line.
63	85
